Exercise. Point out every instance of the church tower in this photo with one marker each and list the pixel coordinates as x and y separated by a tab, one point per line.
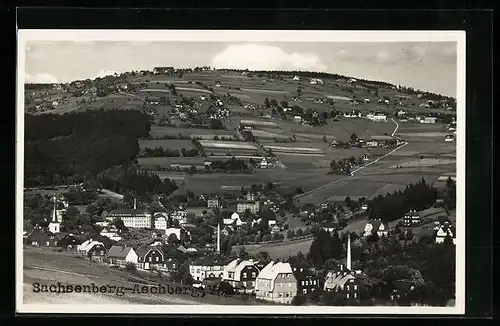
54	225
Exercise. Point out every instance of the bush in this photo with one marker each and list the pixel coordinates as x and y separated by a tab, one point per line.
298	300
131	268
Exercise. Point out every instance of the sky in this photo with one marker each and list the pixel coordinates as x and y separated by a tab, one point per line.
428	66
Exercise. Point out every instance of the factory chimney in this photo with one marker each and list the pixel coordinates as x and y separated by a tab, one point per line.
218	238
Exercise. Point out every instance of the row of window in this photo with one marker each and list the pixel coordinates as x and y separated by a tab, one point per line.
355	296
281	285
355	287
313	282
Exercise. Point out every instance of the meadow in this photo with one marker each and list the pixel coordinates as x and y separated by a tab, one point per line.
165	143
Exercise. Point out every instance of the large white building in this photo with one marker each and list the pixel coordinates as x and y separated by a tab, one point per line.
253	206
132	218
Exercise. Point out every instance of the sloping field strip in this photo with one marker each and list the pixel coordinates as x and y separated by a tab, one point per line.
258	123
230	145
254	90
165	143
294	149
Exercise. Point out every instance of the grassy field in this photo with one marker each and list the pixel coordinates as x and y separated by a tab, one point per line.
161	131
165	143
279	251
166	162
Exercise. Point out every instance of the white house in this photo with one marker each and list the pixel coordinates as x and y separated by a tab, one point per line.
263	163
444	231
90	245
379	117
251	205
378	226
449	138
428	120
160	221
276	282
316	81
296	78
119	255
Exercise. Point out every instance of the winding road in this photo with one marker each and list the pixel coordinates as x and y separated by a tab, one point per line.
358	169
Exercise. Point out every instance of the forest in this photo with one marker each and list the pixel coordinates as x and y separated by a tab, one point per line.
63	146
418	196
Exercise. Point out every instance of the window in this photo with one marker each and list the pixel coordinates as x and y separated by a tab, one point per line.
355	295
253	275
244	275
287	295
253	283
280	285
314	282
304	291
355	287
307	282
347	295
150	258
157	258
173	265
303	283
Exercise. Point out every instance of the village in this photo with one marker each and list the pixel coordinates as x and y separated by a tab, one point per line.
289	199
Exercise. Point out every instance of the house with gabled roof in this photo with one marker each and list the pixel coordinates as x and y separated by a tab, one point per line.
446	230
92	249
378	226
276	282
39	237
207	267
307	281
121	255
241	274
148	257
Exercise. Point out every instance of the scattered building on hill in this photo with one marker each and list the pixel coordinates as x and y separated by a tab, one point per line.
372	143
163	70
378	226
241	274
276	282
411	218
121	255
428	120
213	202
251	205
316	81
68	241
111	234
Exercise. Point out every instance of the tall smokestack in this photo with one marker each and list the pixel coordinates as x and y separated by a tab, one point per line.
135	204
218	238
349	252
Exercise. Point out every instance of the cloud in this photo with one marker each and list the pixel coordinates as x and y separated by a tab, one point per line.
265	57
42	78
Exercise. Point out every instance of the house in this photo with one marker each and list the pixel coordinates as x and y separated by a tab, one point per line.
111	234
213	202
428	120
251	205
121	255
178	232
179	215
296	78
149	257
444	231
343	283
264	164
378	226
316	81
170	265
69	241
411	218
91	249
39	237
160	221
372	143
330	226
241	274
297	119
132	218
307	281
401	289
276	283
380	117
207	267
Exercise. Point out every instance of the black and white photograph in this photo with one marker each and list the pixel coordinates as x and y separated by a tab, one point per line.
240	172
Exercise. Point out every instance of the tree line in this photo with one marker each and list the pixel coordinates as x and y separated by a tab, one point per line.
80	143
418	196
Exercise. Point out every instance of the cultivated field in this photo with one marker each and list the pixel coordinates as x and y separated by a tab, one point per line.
165	143
278	251
161	131
167	162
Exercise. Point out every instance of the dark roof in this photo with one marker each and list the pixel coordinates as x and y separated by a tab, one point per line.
141	251
121	211
119	251
210	261
305	273
376	224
